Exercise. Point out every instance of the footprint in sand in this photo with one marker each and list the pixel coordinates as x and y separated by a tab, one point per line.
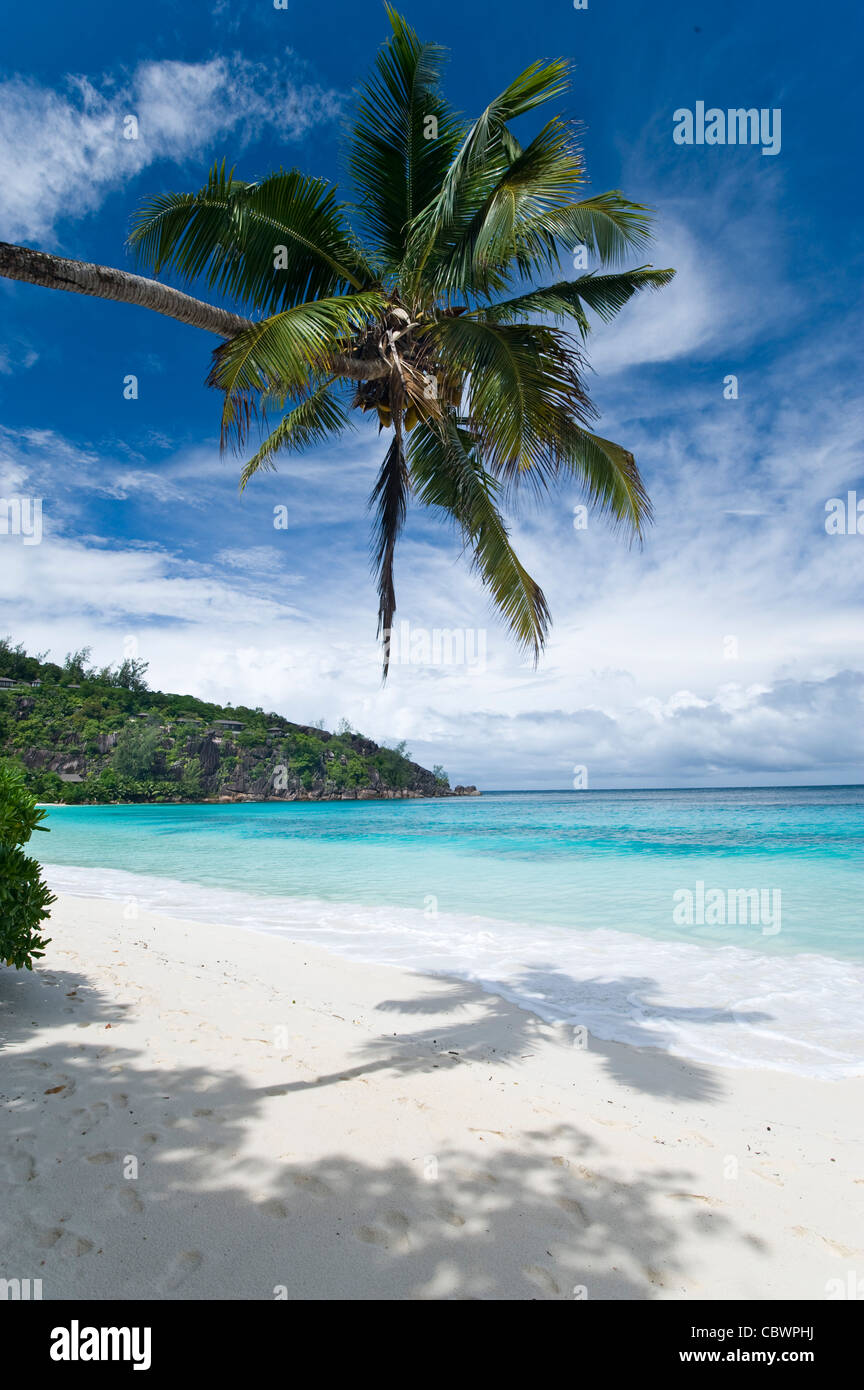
19	1165
46	1237
451	1216
587	1174
542	1280
182	1267
310	1184
105	1157
273	1207
128	1201
396	1233
573	1208
370	1236
87	1117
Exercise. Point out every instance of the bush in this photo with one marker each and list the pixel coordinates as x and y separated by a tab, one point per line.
190	781
136	750
24	897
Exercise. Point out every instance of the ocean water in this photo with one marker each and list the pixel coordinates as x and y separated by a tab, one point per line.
722	926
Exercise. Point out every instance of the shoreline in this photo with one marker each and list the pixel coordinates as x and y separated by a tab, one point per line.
720	1004
243	799
345	1130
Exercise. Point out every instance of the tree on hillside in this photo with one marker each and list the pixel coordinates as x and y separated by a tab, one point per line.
76	665
15	664
428	309
135	751
128	675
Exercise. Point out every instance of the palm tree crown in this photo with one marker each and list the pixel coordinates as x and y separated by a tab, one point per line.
419	302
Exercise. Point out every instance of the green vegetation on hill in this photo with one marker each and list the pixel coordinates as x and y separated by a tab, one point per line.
83	735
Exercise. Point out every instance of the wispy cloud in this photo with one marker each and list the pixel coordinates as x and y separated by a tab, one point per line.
61	152
14	358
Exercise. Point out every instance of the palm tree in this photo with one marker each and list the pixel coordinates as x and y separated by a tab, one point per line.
426	309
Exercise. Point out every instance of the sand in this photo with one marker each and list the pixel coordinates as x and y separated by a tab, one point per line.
197	1112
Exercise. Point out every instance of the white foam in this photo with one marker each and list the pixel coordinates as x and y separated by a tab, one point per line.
726	1005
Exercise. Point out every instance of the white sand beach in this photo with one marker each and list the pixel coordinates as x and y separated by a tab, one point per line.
197	1112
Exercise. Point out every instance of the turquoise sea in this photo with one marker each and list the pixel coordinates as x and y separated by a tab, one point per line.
722	925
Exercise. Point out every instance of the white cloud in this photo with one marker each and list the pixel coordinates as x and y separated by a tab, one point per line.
62	152
725	243
154	485
659	326
64	580
259	562
13	359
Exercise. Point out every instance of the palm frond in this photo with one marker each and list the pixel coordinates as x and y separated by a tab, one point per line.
608	225
607	294
487	149
390	502
311	421
269	245
515	229
604	294
446	472
403	138
284	353
524	386
609	477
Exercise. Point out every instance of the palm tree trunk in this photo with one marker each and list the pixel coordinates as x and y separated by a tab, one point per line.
104	282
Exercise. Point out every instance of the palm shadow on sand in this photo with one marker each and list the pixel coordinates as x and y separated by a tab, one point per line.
205	1218
480	1026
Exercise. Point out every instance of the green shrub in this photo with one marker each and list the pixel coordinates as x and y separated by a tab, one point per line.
24	897
135	751
190	782
356	774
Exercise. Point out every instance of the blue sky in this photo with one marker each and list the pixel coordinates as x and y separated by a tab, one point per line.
727	651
